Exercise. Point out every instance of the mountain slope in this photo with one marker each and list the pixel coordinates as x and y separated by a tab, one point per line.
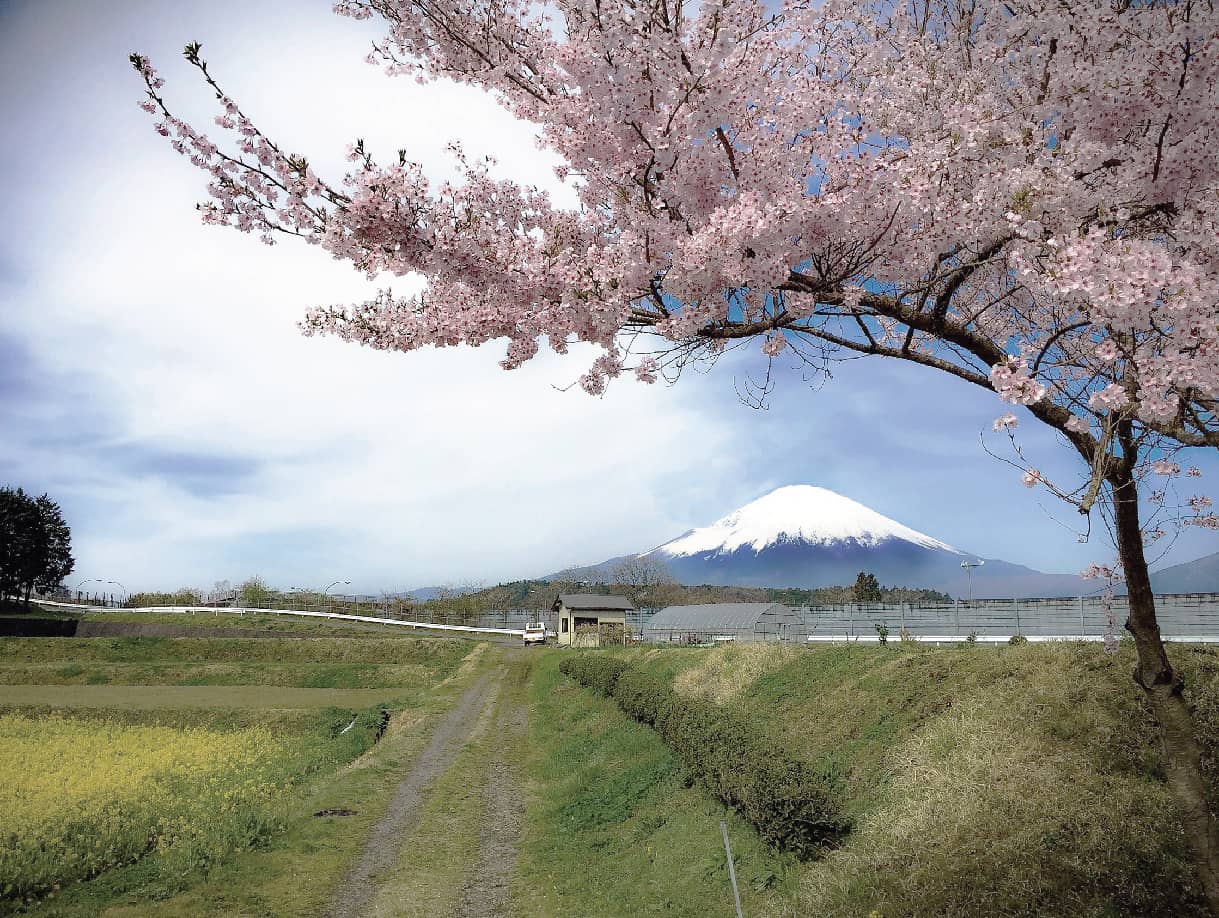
808	537
798	513
1200	576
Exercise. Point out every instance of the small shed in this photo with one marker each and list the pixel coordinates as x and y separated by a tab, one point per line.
589	620
727	621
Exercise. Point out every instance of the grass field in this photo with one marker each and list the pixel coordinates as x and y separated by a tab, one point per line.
980	781
1005	781
14	651
121	796
615	830
138	697
287	625
93	671
93	795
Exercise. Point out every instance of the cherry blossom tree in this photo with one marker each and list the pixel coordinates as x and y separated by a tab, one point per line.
1020	194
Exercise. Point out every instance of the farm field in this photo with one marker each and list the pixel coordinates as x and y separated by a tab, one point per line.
138	697
202	752
95	794
975	781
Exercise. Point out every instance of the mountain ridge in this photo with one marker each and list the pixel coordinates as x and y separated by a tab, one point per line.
806	537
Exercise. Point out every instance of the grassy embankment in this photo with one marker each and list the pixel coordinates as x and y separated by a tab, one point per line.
338	663
613	828
233	836
1016	781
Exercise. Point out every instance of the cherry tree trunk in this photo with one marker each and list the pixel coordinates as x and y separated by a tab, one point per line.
1180	752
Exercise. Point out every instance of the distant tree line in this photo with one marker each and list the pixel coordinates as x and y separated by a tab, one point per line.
35	544
648	584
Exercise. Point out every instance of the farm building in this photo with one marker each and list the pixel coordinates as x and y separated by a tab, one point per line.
589	620
727	621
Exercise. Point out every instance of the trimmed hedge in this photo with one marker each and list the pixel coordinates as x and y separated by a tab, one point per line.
790	804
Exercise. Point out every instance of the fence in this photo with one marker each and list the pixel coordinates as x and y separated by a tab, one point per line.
1182	616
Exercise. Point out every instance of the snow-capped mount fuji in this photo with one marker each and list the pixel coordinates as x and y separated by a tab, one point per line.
797	513
806	536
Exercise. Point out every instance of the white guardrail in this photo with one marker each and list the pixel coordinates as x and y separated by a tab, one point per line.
175	610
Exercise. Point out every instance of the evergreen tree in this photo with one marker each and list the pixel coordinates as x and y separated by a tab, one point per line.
867	588
35	544
54	542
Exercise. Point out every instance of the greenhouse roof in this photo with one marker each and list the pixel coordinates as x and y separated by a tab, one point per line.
719	616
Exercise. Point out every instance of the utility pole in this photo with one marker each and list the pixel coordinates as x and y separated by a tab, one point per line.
969	566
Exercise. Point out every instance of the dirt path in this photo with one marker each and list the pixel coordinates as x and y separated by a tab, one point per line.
485	894
384	845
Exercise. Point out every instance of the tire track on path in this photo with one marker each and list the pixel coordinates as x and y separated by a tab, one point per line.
485	894
384	845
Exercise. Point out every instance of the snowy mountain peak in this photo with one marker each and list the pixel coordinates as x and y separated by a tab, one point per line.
796	513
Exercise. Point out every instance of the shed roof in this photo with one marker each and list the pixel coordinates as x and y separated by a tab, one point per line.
719	616
594	601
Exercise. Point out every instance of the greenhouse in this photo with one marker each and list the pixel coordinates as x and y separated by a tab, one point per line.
729	621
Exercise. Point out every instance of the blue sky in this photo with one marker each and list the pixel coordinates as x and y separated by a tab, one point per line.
153	381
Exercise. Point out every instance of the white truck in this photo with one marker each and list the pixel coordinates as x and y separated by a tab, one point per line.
535	633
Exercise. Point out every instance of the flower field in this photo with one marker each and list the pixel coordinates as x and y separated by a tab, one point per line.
82	796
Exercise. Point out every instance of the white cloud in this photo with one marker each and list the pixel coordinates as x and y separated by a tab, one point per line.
156	338
428	467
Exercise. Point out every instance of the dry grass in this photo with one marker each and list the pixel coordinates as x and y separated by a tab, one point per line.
1020	781
983	816
729	670
469	663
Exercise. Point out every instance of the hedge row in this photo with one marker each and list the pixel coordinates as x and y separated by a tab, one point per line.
789	803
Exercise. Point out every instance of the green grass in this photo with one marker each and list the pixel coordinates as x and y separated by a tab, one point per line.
288	625
140	697
295	867
981	781
613	829
305	745
296	871
362	650
309	672
299	675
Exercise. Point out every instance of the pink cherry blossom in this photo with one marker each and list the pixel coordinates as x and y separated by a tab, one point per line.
774	344
1097	572
1023	195
1110	398
1076	424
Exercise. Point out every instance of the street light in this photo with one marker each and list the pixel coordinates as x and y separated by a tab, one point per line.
83	582
120	586
969	566
325	592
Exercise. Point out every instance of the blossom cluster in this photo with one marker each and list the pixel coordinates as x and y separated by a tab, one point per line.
1029	186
